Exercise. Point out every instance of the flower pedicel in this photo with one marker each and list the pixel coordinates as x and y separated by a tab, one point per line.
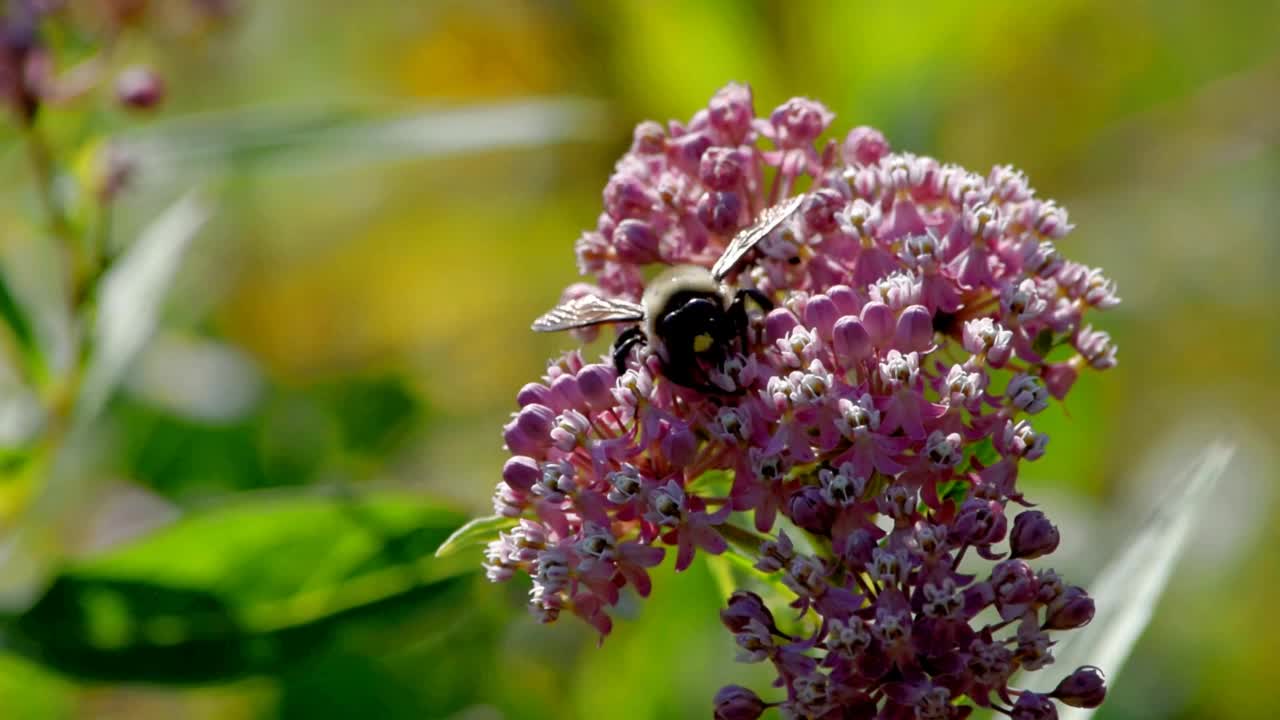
884	407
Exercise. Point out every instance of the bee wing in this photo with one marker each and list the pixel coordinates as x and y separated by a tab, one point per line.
748	238
588	310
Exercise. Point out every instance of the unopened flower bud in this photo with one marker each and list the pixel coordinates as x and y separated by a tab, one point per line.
565	394
521	472
735	702
850	340
846	299
533	393
635	242
596	384
1033	535
807	509
743	607
821	314
719	211
1084	688
139	88
1073	609
778	324
915	329
530	432
879	322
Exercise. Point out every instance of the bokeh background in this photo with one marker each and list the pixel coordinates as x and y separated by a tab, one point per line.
395	190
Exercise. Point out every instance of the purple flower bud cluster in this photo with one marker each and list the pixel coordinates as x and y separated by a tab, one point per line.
30	71
883	409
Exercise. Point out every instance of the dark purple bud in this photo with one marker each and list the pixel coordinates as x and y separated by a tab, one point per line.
1084	688
879	321
649	139
820	313
565	394
721	168
635	242
139	88
743	607
521	472
719	211
1073	609
680	445
915	329
1033	535
1033	706
807	509
533	393
819	210
778	323
685	152
845	298
850	340
596	383
865	146
735	702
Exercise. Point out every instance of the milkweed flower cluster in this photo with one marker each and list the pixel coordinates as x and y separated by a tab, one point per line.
883	409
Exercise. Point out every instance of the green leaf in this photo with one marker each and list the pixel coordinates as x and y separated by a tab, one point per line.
1129	588
131	296
19	325
480	531
27	691
983	451
1043	342
246	589
309	138
713	482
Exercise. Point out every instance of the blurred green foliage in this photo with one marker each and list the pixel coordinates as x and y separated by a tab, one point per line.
376	255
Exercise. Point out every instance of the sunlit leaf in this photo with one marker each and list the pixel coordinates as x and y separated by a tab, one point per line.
325	137
479	531
31	693
1129	588
131	297
244	589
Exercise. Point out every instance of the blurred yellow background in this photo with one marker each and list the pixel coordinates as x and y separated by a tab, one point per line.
397	187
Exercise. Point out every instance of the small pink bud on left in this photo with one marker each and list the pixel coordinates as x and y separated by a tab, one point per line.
139	88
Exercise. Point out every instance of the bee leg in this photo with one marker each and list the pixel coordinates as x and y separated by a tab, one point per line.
622	346
681	369
738	311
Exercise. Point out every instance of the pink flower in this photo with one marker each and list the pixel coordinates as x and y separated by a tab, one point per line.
859	410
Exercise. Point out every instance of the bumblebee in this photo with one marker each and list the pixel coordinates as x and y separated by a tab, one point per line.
688	315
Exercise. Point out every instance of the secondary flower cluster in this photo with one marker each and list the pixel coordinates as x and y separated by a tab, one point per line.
33	38
882	409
